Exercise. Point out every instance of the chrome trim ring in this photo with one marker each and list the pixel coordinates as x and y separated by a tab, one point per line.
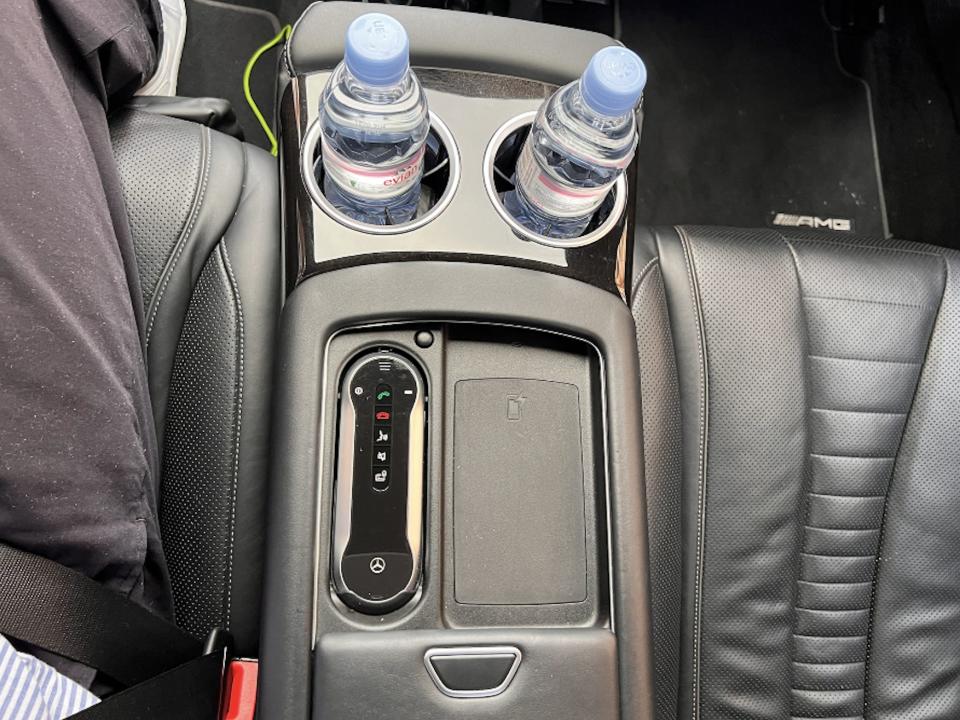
309	147
490	155
480	652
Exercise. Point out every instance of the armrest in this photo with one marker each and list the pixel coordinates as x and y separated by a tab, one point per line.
452	40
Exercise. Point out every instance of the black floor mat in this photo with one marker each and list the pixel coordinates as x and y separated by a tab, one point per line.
220	40
918	132
749	114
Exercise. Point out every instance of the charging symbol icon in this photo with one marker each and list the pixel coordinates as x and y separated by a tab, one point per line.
515	407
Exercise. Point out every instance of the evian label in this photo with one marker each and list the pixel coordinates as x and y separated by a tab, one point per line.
812	221
373	183
549	196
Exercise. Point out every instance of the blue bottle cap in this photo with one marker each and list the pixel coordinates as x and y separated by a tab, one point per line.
613	82
377	50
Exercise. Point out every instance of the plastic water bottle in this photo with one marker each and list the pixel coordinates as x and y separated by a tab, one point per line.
375	122
583	138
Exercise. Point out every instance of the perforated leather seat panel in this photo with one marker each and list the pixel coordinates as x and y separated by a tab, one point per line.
204	212
814	513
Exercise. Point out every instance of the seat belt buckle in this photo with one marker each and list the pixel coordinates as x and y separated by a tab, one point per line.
240	690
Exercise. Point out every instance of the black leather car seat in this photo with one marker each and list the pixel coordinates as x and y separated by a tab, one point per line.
801	411
204	212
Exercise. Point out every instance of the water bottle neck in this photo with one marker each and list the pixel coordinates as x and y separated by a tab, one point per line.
567	108
376	94
575	106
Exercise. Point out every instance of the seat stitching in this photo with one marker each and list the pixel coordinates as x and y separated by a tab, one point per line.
831	529
858	412
945	278
643	275
835	529
863	360
185	234
819	664
858	246
829	637
865	301
818	527
702	479
807	477
831	687
841	495
853	457
239	418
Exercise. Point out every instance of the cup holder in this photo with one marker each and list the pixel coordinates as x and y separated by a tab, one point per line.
499	162
441	174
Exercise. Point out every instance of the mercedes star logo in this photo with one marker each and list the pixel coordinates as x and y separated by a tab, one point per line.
378	565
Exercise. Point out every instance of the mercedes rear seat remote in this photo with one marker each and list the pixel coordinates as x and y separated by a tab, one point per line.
378	513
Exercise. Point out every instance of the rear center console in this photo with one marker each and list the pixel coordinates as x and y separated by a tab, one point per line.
456	521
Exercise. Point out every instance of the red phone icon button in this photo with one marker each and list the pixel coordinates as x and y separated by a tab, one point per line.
382	416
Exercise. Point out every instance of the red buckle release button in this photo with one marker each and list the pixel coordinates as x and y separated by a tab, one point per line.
240	698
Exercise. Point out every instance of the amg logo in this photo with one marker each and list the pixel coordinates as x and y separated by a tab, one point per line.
812	221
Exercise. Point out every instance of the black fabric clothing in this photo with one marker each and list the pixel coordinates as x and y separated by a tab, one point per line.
78	452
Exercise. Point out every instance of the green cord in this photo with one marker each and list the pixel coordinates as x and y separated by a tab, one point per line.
281	37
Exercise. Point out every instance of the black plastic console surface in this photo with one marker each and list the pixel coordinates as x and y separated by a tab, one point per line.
519	333
319	656
563	675
503	46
